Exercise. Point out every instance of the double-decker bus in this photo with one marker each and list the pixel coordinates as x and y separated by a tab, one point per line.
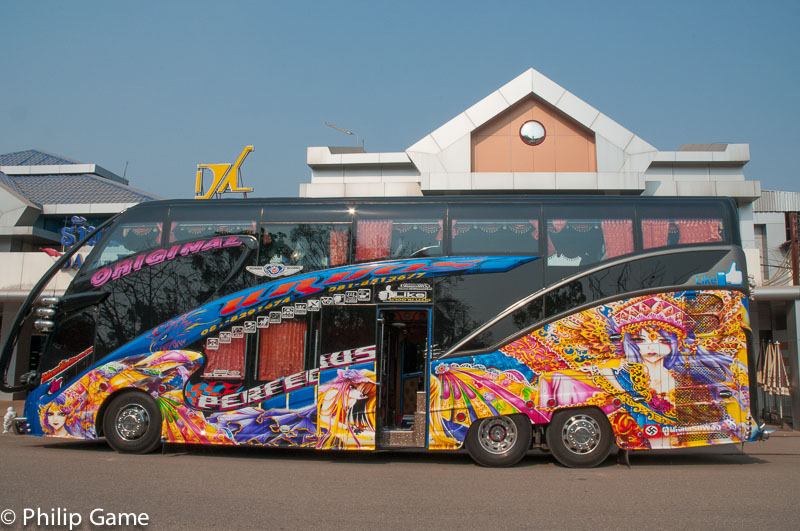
494	323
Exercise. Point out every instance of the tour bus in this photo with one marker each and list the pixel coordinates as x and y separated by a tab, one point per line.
493	323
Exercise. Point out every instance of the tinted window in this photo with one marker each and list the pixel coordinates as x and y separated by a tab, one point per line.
681	225
74	334
465	302
347	327
508	326
494	229
627	278
397	231
643	274
582	235
192	230
141	299
201	221
124	239
313	246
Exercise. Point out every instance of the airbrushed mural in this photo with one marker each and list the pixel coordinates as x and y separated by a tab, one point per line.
329	407
339	415
669	370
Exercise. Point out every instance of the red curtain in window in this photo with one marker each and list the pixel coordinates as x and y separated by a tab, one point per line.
338	247
618	237
556	226
535	233
440	233
374	240
228	360
698	231
281	349
655	233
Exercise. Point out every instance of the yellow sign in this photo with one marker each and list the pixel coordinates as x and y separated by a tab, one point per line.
226	177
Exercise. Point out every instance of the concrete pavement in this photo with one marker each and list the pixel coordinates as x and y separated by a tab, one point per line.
254	488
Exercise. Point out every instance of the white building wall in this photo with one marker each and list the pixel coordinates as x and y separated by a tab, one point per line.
775	231
20	273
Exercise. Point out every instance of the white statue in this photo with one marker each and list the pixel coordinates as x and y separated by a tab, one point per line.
8	419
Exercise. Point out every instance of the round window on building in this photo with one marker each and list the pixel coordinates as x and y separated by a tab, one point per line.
532	133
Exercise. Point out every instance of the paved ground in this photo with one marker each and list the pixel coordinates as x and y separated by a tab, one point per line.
245	488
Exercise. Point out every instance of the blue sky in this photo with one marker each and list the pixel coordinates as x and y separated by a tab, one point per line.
167	85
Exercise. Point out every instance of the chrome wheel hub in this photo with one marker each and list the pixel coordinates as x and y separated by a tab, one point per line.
581	434
497	435
132	422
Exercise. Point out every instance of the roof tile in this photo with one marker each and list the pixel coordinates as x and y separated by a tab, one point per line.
34	157
73	189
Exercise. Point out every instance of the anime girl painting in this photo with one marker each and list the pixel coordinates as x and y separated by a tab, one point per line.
346	411
667	364
662	367
60	417
54	418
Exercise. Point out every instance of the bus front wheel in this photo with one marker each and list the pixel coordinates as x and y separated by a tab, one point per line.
499	441
132	423
579	438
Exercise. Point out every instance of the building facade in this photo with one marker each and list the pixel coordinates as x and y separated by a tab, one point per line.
532	136
45	201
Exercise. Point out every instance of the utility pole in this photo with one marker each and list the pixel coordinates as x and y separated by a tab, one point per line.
795	250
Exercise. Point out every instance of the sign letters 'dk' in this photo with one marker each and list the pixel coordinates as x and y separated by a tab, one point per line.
226	177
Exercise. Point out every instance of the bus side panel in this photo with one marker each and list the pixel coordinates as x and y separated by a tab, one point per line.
339	413
73	411
463	390
334	411
669	371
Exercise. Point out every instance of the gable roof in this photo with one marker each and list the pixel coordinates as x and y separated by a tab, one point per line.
532	82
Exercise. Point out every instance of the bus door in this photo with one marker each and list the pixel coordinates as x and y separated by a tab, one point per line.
402	362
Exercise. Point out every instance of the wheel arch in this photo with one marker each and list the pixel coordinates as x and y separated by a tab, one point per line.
584	408
579	408
581	446
101	412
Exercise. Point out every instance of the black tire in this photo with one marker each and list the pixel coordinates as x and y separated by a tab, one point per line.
132	423
499	441
580	438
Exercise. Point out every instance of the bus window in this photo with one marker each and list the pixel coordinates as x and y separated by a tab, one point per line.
465	302
192	230
126	239
578	236
312	245
347	327
74	337
226	355
508	326
378	239
407	231
489	229
193	222
501	236
281	348
671	231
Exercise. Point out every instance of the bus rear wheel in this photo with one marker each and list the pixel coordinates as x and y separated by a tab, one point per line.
579	438
132	423
499	441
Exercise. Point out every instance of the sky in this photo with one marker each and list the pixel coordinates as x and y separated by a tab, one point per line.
152	89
